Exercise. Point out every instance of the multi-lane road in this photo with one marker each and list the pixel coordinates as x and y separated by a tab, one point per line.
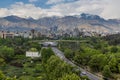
61	55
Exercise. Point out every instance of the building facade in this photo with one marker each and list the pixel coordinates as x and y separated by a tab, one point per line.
5	35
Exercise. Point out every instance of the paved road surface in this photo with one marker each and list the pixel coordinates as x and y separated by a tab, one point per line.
61	55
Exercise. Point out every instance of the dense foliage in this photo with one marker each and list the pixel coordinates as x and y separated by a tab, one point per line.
14	65
56	69
113	39
98	55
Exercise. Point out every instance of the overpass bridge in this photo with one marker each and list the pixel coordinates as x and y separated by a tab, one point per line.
49	43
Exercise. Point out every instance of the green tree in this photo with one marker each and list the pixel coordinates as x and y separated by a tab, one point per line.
68	53
106	71
2	76
70	77
113	64
46	54
56	68
6	52
78	59
34	45
98	62
119	67
33	49
2	62
114	49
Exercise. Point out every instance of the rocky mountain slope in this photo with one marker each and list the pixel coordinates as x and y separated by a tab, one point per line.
83	21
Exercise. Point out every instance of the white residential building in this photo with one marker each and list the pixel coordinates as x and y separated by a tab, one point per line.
32	54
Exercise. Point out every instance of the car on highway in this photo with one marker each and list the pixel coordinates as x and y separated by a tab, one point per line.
83	73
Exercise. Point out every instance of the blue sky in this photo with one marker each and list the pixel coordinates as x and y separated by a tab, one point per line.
38	3
46	8
7	3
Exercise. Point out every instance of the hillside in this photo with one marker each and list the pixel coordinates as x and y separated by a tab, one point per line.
84	21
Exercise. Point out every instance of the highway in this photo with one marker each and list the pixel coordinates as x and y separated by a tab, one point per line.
62	57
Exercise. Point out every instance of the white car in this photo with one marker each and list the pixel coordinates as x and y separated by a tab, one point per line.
83	73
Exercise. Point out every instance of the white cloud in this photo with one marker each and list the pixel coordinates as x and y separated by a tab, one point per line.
78	7
111	9
59	1
4	12
33	0
23	10
54	1
104	8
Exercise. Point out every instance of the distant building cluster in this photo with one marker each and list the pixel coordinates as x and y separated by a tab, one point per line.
27	34
53	33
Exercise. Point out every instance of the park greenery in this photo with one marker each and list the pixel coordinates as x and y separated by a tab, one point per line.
99	55
14	65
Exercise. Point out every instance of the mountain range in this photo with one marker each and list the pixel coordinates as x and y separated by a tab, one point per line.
84	21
